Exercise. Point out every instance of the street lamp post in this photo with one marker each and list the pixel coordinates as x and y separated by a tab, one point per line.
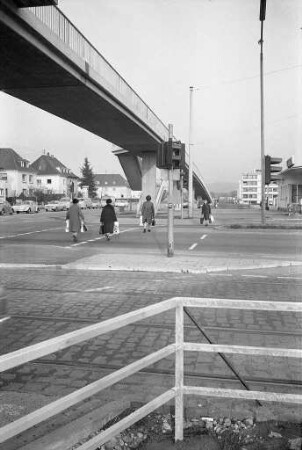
190	182
262	18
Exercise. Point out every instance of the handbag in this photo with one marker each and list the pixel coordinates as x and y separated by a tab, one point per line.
116	228
211	218
67	226
102	229
141	221
153	223
83	227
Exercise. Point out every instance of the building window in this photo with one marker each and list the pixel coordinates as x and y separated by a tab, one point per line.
31	179
296	193
39	182
23	178
49	181
2	192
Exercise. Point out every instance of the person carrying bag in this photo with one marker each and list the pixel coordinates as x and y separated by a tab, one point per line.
205	213
108	218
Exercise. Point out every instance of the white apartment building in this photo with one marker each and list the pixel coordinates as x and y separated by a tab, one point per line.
17	177
249	192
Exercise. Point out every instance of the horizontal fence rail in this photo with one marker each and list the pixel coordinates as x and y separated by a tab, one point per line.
177	304
54	19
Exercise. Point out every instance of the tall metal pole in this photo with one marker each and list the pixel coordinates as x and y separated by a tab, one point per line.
190	183
262	18
181	195
170	248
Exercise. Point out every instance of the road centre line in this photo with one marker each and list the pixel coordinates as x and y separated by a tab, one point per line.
255	276
29	232
203	236
291	278
98	289
193	246
221	274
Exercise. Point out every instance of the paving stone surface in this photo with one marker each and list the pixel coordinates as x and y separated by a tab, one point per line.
44	303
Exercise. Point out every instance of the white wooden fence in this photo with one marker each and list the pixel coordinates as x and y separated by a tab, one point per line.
36	351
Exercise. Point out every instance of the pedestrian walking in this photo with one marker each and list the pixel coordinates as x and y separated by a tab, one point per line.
108	217
148	213
76	219
205	212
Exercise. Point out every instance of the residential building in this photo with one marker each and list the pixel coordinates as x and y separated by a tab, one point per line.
249	192
112	185
3	185
53	177
290	186
18	177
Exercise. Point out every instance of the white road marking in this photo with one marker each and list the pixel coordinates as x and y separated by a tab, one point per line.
193	246
98	289
291	278
221	274
255	276
203	236
99	238
29	232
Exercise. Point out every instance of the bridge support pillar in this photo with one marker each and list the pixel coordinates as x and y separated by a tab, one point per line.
149	175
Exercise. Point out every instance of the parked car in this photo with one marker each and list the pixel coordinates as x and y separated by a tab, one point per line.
121	203
82	203
88	202
5	208
95	204
65	202
26	206
55	206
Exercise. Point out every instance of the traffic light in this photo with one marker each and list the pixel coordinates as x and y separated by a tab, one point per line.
272	171
176	154
171	155
262	10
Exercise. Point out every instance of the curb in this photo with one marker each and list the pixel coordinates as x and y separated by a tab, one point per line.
205	270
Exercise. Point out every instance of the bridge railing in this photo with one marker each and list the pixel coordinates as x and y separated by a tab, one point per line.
177	348
56	21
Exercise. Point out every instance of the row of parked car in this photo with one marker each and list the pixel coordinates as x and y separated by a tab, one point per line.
29	206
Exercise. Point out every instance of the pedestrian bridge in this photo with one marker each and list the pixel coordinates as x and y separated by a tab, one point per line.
47	62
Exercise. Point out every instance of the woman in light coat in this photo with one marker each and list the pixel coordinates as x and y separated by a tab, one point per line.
76	218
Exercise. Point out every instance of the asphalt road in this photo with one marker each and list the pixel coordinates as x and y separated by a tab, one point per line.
46	302
27	233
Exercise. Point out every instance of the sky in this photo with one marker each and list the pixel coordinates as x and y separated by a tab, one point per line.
161	48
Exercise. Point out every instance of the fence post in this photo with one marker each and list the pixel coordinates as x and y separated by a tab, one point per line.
179	371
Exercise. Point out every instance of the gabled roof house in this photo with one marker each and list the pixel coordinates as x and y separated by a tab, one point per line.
20	176
113	185
53	176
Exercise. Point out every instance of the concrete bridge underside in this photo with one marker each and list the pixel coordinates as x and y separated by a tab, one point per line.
40	70
42	67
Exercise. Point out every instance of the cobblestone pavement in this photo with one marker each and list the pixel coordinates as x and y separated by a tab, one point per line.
44	303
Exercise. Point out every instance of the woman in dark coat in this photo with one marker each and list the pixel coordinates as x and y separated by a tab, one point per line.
76	218
108	217
148	213
206	211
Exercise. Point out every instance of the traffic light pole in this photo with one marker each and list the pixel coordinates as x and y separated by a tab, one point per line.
170	247
190	181
262	18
